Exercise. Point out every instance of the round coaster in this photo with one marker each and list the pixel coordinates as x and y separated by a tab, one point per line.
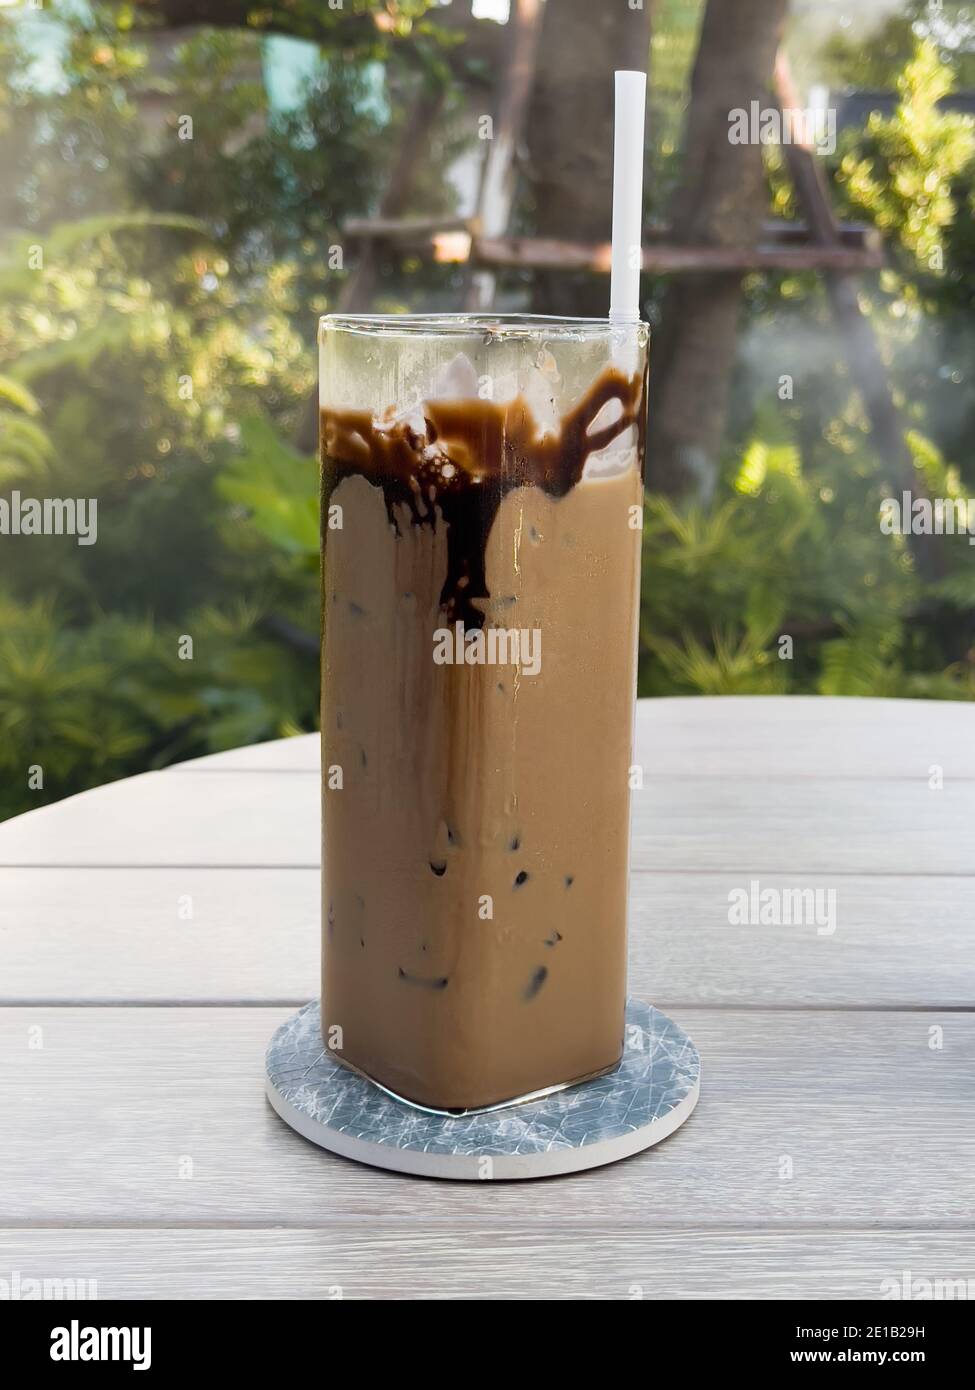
648	1096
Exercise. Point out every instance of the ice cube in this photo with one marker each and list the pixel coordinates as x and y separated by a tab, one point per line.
457	381
618	457
542	389
612	410
412	418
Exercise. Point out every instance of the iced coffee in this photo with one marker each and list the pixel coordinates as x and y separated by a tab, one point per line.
481	527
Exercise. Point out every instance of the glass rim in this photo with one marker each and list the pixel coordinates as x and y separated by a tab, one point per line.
477	324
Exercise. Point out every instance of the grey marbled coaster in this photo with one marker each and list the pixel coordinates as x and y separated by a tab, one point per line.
648	1096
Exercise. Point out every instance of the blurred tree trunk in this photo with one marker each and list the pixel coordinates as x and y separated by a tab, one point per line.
721	201
570	135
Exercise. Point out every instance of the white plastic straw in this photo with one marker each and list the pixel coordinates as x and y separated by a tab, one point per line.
631	100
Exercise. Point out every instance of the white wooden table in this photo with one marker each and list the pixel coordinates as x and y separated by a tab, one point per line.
154	932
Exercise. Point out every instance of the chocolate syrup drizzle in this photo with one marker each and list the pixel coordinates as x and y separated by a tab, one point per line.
470	455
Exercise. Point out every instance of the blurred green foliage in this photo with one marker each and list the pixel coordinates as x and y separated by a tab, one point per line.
161	358
790	546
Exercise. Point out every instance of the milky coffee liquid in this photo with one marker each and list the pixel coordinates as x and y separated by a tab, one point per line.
476	815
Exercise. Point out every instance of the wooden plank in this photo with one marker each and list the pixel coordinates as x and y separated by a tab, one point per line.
830	738
774	230
382	1259
100	1123
116	935
899	942
163	818
403	228
539	253
745	826
123	935
745	736
755	827
301	753
550	253
790	232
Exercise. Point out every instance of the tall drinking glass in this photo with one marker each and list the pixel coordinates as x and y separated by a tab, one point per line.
481	525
